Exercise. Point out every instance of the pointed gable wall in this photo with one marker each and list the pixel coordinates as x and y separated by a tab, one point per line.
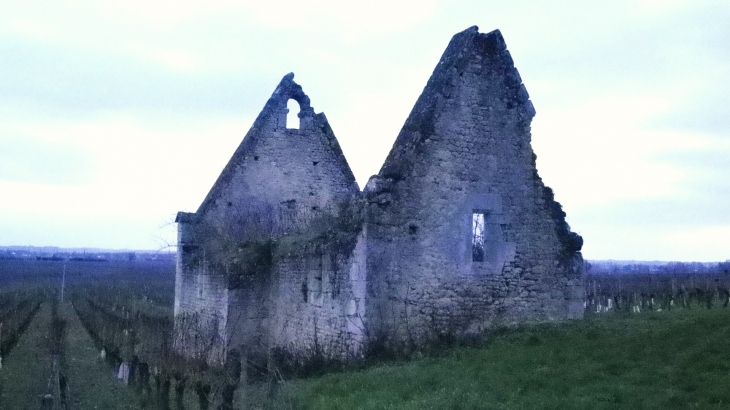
281	174
232	277
464	151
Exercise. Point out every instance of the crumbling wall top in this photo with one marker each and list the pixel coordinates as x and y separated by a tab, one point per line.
288	89
469	48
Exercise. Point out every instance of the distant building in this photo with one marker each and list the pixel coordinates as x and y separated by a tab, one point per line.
456	233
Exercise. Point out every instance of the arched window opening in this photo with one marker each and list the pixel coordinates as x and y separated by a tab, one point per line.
292	117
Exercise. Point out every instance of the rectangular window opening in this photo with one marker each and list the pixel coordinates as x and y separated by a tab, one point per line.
477	236
316	288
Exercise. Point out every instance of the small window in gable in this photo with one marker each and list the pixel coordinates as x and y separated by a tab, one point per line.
292	116
477	236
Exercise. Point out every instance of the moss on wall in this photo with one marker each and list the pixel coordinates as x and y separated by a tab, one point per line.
250	262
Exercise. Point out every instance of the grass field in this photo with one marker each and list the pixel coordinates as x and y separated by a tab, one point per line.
25	374
91	382
653	360
678	359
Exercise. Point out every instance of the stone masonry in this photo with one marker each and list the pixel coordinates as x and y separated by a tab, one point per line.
287	258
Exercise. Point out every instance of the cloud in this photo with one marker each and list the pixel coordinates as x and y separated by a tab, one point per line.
24	158
178	60
596	153
675	52
709	154
155	96
77	83
143	174
655	213
139	170
704	168
666	225
703	110
137	232
665	243
350	20
656	228
705	238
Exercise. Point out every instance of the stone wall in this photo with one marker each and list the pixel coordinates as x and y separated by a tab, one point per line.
286	257
311	304
244	254
201	297
465	149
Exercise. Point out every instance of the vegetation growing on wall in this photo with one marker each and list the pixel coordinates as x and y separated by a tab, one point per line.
571	241
251	257
252	261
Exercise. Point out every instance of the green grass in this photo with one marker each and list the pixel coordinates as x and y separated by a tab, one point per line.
92	384
654	360
27	369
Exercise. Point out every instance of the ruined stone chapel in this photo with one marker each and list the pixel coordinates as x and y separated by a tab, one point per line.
457	232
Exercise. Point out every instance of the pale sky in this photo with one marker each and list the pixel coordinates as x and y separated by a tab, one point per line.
115	115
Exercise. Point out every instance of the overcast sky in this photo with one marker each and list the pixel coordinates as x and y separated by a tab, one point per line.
115	115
